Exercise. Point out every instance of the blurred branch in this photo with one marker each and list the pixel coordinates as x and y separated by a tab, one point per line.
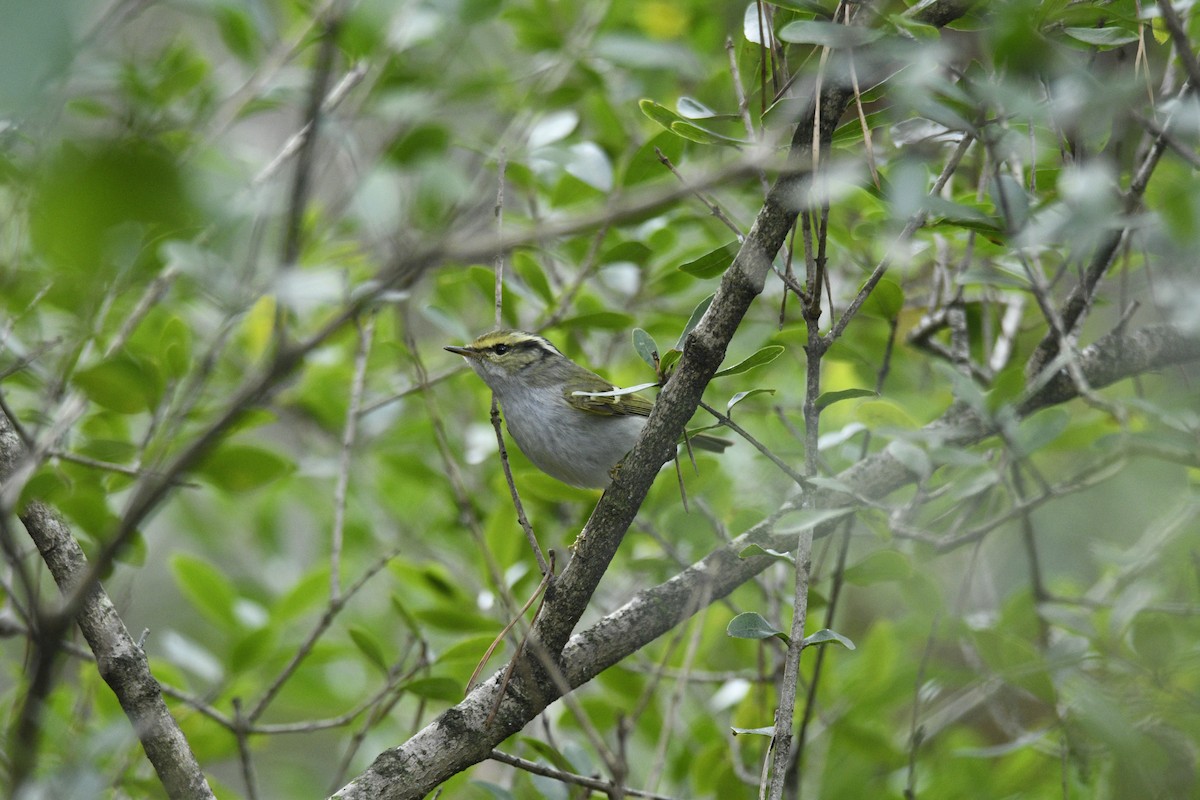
120	660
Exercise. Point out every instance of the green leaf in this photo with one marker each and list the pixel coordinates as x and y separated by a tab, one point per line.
827	34
880	566
1017	661
694	133
827	399
445	689
1011	201
697	314
659	113
237	30
646	347
740	396
423	142
752	625
812	517
122	383
530	271
763	356
206	588
750	551
912	457
666	364
369	646
1041	429
711	264
827	636
251	649
1102	37
645	163
604	320
242	468
959	215
175	347
885	301
306	594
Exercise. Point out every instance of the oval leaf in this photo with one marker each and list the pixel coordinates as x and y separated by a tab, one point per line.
710	265
1102	37
206	588
764	356
827	636
121	383
752	625
646	347
750	551
369	646
660	114
827	34
241	468
829	398
740	396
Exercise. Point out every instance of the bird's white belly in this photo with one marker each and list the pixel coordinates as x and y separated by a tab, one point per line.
571	445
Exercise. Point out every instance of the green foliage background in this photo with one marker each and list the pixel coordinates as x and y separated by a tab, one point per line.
147	192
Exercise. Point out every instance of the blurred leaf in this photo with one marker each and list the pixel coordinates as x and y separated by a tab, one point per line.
1017	662
805	518
237	30
258	328
695	133
914	459
605	320
305	595
241	468
1011	201
122	383
206	588
530	271
1039	430
1102	37
880	566
176	348
885	301
883	414
421	142
645	163
369	646
828	34
444	689
829	398
85	194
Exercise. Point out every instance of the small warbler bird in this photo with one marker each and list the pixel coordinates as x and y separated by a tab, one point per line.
552	411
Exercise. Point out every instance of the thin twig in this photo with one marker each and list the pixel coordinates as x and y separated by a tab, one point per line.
366	332
596	784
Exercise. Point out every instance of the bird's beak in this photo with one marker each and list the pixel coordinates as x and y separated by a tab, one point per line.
466	352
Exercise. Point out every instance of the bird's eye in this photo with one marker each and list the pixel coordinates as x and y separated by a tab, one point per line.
500	349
